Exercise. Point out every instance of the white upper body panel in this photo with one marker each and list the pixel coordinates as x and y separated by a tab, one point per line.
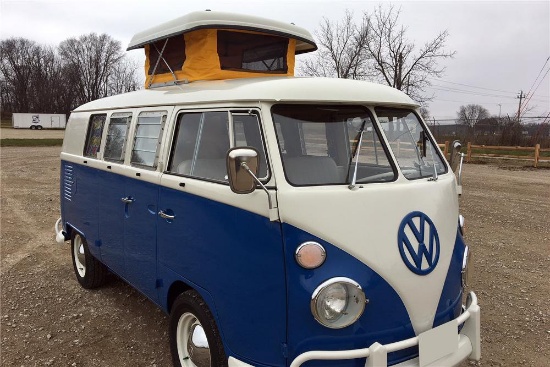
284	89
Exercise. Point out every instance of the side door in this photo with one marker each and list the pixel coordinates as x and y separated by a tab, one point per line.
222	243
113	205
141	195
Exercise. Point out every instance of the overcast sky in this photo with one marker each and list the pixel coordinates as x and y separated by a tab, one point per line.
501	46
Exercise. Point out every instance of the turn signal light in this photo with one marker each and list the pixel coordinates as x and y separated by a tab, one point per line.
310	255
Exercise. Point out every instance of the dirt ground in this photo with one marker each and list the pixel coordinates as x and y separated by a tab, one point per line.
47	319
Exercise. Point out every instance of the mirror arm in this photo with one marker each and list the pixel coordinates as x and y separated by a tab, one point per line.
272	216
459	176
460	169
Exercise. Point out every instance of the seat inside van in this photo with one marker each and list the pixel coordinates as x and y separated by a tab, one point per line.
316	170
211	152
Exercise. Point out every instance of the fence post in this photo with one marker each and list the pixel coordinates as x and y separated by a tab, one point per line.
469	152
446	151
537	154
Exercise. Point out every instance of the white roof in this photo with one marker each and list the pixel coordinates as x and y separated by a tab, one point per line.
276	89
216	19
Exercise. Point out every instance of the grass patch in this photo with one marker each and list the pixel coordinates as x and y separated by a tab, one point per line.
31	142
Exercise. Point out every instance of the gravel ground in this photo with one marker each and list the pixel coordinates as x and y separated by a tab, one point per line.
47	319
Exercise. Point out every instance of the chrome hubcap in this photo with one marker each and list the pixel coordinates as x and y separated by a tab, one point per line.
79	256
193	349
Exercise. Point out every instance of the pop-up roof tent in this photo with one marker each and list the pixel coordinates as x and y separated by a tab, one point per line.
211	45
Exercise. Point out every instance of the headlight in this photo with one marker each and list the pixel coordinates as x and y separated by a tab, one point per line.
466	267
338	303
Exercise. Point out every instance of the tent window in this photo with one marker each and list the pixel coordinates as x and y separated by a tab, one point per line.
252	52
174	54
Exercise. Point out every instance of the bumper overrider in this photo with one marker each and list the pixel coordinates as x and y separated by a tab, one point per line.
60	235
445	345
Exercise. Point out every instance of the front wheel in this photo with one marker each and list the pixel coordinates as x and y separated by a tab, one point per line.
194	337
89	272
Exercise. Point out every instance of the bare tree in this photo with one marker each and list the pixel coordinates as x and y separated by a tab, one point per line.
342	50
377	49
471	114
425	113
47	91
37	78
17	57
91	61
399	63
124	77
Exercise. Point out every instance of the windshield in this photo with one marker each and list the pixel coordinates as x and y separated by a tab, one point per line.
415	152
319	145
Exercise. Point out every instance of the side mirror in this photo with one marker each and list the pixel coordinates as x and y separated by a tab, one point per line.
456	147
239	161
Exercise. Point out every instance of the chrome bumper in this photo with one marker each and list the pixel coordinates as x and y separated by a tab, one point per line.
433	350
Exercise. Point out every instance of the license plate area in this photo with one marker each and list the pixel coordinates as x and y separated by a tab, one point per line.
437	343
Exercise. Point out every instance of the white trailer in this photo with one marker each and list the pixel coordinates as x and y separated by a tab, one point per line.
39	121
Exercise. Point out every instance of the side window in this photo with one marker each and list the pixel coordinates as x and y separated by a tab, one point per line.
202	140
95	132
147	139
246	133
116	136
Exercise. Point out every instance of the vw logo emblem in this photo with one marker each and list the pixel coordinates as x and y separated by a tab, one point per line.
418	243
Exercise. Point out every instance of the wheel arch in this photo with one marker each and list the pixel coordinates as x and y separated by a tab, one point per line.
176	288
70	230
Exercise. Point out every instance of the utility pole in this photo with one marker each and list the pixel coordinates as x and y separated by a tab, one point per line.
521	96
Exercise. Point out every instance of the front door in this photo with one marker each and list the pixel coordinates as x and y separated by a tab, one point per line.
220	242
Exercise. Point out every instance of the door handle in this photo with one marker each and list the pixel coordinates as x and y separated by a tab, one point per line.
127	200
166	216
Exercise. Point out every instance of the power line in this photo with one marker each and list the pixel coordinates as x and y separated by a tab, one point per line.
464	91
538	85
466	102
455	119
476	87
473	86
541	69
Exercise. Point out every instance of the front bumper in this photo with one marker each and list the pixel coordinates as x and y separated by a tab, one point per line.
441	346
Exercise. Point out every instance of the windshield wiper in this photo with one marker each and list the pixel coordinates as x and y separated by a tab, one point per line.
434	176
357	151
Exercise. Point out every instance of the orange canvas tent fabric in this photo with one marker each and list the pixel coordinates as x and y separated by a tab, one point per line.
202	60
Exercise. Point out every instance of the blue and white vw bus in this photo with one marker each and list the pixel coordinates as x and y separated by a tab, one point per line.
279	221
